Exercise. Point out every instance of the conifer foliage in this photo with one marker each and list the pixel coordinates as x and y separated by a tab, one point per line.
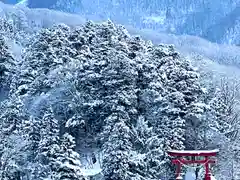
96	86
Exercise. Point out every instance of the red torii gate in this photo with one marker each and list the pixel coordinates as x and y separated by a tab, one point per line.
193	153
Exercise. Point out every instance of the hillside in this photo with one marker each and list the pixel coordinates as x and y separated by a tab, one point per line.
215	20
84	100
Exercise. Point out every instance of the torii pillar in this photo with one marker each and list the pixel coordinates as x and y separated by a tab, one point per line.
194	153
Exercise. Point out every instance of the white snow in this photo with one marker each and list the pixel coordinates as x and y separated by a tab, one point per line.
190	174
154	19
194	151
88	167
213	178
91	172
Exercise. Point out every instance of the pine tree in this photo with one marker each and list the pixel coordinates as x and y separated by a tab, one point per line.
7	67
7	28
117	151
219	112
170	99
98	82
68	163
48	145
12	149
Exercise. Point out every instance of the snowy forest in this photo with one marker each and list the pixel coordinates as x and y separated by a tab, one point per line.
101	90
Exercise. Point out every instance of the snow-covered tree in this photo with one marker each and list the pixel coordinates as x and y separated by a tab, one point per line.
95	86
117	151
7	28
49	133
47	146
13	146
67	162
170	100
7	66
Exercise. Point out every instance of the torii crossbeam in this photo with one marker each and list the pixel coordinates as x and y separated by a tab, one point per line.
193	153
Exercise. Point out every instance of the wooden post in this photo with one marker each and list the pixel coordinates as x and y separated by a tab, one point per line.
178	171
207	170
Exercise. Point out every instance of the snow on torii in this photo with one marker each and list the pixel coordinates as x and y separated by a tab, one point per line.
193	153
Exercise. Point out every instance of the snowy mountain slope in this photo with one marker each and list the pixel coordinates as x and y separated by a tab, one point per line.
76	59
189	46
223	54
221	27
46	18
211	19
233	34
212	54
38	18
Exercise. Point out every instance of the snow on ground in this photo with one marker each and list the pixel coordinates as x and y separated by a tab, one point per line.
154	19
90	168
213	178
194	151
190	174
91	172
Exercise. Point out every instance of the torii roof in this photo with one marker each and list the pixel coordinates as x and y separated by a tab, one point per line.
193	152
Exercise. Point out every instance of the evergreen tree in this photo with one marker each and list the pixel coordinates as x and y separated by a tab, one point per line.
117	150
68	163
170	100
48	146
7	67
7	28
13	138
219	112
96	86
